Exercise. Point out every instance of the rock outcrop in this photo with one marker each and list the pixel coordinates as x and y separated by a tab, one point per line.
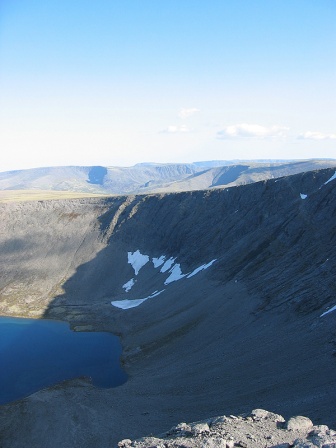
259	429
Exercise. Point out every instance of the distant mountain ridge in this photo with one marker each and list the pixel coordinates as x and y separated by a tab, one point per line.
155	177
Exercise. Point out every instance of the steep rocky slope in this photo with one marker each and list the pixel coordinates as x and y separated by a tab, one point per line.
245	332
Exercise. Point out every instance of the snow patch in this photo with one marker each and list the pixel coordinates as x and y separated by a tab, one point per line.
158	261
303	196
137	260
201	268
128	285
127	304
332	178
175	274
329	311
168	264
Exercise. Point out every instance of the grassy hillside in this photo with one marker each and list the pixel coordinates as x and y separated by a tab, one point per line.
41	195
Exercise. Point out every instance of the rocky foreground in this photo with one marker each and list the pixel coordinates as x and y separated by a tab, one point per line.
259	429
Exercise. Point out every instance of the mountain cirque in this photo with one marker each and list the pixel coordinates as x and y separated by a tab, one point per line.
256	329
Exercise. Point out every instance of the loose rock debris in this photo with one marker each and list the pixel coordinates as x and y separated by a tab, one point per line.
259	429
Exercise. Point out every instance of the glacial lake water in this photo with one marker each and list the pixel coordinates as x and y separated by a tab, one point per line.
35	354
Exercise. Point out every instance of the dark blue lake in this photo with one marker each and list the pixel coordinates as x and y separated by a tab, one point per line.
35	354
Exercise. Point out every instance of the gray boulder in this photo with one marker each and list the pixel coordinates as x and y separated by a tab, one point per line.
299	423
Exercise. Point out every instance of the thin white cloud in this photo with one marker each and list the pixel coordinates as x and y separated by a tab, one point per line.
309	135
175	130
245	130
185	113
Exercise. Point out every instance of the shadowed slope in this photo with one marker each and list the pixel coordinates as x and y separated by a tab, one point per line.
244	333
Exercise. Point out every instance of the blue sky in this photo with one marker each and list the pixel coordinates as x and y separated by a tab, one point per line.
116	82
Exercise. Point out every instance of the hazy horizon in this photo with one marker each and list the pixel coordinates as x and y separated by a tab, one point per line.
196	162
118	83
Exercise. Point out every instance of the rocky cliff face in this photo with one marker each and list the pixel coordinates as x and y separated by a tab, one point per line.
241	320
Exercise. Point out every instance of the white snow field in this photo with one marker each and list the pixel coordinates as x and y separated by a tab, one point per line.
303	196
175	274
128	285
201	268
332	178
138	260
167	264
329	311
127	304
158	261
